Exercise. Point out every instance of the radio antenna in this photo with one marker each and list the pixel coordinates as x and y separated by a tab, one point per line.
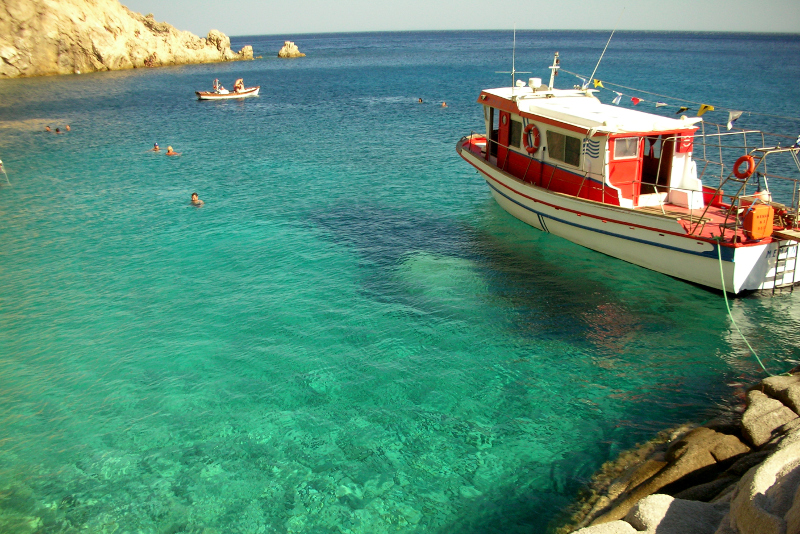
604	49
514	70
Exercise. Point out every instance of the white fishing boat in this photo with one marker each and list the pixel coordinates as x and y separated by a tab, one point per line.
631	184
220	93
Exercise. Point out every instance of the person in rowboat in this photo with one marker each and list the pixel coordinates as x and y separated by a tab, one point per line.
238	86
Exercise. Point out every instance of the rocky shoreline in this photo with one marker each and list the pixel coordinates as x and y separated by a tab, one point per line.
45	37
738	474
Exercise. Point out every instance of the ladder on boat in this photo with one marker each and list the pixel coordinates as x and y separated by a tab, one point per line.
786	259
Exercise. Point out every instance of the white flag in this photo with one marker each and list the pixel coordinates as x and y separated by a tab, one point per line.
660	104
617	98
732	116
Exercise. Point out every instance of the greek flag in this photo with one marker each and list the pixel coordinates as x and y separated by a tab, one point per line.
591	148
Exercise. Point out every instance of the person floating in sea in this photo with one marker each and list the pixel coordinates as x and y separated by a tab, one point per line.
171	152
58	131
420	101
47	129
196	200
238	86
67	127
444	104
155	148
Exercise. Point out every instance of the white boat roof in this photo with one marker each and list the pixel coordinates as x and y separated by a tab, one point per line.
579	107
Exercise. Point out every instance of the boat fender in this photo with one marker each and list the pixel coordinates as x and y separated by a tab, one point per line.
751	166
531	139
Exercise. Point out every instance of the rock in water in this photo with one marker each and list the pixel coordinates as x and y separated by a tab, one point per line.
41	37
289	49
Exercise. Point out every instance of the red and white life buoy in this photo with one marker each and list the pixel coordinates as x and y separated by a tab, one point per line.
751	166
531	139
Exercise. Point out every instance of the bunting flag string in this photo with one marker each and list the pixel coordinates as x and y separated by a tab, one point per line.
703	109
733	115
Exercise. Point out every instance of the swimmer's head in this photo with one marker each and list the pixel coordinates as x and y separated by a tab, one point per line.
194	196
155	145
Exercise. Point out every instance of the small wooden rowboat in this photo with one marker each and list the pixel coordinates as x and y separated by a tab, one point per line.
214	95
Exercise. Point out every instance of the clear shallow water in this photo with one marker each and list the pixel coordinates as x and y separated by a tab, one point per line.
350	336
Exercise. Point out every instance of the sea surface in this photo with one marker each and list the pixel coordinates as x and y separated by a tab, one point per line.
350	336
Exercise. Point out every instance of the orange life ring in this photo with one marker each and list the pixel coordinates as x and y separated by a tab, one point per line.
531	139
751	166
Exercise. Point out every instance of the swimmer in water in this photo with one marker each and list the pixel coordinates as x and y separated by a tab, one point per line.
196	200
58	131
444	104
67	127
47	129
155	147
171	152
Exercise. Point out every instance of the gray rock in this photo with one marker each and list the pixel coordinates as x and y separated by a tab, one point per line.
784	388
708	491
765	500
39	38
614	527
666	515
699	449
290	49
764	417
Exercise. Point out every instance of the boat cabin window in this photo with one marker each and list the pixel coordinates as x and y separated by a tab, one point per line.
515	134
626	148
564	148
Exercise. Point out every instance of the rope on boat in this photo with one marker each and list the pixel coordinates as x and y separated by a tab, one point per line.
725	294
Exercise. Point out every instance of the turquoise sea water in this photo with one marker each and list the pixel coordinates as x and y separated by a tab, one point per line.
350	336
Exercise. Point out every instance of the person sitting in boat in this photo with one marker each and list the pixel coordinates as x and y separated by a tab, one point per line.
238	86
216	85
196	200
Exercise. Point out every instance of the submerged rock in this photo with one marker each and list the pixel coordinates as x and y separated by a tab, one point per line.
290	49
43	37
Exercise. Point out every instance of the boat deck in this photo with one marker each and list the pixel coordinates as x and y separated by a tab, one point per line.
706	223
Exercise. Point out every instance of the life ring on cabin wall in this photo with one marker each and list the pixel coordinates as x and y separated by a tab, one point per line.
531	138
751	166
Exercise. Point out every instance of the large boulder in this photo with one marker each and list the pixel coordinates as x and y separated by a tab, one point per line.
41	37
766	418
289	49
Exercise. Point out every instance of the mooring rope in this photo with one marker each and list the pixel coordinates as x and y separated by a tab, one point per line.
725	294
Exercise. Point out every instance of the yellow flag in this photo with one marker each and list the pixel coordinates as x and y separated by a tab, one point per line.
598	83
704	108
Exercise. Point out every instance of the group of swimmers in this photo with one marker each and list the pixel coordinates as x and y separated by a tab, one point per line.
170	152
444	104
58	130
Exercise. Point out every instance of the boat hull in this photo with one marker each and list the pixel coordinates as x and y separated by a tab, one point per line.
656	242
211	95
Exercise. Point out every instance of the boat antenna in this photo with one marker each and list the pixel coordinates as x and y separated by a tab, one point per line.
604	49
514	71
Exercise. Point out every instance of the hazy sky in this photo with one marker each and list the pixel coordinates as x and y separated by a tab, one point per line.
269	17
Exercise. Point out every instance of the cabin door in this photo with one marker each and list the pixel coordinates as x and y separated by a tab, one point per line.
503	138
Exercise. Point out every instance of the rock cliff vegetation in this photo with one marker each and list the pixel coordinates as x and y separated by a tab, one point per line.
42	37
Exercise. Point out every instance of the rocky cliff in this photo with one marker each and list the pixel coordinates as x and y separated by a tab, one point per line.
41	37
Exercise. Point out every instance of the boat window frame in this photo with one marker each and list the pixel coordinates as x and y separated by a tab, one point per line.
555	156
627	157
515	133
